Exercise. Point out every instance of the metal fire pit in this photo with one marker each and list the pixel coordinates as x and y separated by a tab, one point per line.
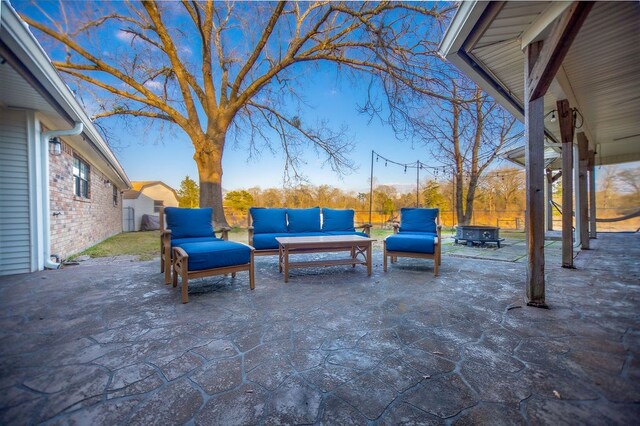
478	234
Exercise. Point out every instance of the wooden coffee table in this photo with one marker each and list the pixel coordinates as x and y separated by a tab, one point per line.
359	248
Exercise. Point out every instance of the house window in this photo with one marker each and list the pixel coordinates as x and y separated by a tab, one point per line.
156	205
80	178
115	195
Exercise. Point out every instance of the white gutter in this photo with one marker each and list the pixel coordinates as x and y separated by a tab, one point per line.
46	195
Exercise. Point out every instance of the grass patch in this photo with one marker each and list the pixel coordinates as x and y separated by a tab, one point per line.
144	244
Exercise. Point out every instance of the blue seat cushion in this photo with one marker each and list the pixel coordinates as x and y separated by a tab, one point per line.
268	220
189	223
304	220
216	254
361	234
337	220
418	220
268	241
178	242
412	242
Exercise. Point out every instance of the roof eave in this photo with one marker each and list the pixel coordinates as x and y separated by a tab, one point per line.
36	60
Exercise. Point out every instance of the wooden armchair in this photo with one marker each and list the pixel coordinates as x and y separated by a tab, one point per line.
180	226
418	235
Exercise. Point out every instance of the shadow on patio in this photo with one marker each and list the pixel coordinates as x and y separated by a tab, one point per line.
109	343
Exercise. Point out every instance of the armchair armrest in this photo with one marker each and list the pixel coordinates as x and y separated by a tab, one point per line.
250	231
224	231
165	237
366	228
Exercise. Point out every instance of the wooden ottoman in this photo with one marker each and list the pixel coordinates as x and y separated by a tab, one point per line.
203	259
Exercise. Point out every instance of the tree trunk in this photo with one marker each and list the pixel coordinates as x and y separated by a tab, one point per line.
208	157
459	199
471	193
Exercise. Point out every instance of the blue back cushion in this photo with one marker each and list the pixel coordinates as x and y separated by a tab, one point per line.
304	220
268	221
418	220
337	220
189	223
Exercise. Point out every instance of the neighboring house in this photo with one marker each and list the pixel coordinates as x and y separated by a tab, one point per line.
60	184
146	198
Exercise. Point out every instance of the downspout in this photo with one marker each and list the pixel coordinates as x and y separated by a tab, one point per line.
46	190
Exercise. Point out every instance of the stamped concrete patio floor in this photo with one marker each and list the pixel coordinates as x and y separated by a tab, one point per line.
109	343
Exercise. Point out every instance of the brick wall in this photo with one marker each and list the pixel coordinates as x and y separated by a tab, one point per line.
81	223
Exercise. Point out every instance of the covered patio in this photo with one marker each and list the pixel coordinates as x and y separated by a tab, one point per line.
109	343
570	72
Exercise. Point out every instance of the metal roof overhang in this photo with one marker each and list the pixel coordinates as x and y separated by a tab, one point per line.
29	81
600	75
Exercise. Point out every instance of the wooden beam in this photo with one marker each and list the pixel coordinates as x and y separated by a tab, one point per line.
540	24
583	208
534	163
555	48
557	176
592	195
565	119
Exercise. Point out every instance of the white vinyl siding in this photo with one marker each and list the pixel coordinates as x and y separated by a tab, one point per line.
15	237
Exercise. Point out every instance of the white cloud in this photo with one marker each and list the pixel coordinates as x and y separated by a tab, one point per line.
124	36
153	85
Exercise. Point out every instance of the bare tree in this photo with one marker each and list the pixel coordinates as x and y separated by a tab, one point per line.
466	130
216	69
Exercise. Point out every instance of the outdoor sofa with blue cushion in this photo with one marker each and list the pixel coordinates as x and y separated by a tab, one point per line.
418	235
269	223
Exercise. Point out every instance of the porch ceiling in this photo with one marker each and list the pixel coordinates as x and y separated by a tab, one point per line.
600	75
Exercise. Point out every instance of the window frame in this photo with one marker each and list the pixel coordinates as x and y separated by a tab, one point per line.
81	178
115	195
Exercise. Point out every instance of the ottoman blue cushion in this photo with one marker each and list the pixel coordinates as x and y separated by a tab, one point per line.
337	220
304	220
178	242
418	220
412	243
268	221
189	223
216	254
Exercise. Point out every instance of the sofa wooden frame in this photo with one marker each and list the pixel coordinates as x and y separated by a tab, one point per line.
180	267
165	246
436	256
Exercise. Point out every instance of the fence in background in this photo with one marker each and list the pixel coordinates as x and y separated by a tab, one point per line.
509	219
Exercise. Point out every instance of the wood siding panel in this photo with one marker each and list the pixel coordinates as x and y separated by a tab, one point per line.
15	237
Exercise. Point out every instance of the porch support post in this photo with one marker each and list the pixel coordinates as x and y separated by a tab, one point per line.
549	198
583	208
592	195
565	118
534	162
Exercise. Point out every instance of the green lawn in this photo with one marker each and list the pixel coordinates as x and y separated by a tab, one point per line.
145	244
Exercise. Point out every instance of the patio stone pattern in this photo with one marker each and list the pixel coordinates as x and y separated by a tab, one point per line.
106	342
